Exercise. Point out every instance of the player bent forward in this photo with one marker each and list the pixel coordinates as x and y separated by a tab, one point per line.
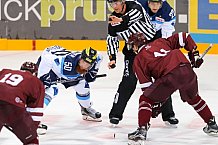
21	102
163	61
74	70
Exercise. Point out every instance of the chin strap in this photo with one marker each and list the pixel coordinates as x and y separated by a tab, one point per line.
123	6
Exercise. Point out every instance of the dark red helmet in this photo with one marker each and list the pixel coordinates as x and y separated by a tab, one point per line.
30	66
137	39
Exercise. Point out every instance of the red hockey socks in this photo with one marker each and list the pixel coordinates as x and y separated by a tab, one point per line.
201	108
145	111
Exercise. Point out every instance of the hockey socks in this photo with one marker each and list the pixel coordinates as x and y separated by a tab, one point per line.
201	108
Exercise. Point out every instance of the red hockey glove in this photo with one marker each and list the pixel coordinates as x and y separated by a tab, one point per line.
156	109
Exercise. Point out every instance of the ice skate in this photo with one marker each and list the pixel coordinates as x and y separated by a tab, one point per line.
211	128
139	142
90	114
42	129
114	121
139	134
171	122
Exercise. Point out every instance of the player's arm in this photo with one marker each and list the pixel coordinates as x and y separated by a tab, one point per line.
181	40
112	45
144	79
36	100
168	27
134	15
49	78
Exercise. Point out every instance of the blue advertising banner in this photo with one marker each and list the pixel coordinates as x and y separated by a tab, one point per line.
203	20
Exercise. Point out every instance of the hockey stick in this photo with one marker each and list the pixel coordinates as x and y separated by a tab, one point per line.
205	52
78	79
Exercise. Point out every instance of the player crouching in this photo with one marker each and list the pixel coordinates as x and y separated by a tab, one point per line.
166	64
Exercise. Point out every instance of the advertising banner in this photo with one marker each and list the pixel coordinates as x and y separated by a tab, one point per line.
203	20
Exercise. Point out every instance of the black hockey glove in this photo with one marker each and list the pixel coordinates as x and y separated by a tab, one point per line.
49	79
90	76
198	63
195	63
156	109
46	80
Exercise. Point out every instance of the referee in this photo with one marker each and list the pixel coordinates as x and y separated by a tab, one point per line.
128	17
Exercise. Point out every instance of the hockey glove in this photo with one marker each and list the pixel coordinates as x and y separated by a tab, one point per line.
156	109
49	79
198	63
195	63
46	80
91	75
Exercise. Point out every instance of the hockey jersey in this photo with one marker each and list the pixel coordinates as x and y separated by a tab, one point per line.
22	89
135	20
164	20
159	57
61	64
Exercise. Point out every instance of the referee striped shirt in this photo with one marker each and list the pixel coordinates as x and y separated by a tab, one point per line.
134	20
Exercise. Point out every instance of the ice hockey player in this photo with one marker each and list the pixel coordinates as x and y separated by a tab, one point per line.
73	70
21	102
163	61
128	17
163	18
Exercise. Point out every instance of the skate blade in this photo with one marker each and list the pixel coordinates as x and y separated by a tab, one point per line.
214	134
170	125
136	142
88	118
41	131
113	125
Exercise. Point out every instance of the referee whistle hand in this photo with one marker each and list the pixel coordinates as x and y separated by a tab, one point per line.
114	20
112	64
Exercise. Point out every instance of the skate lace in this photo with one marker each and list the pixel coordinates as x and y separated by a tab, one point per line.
91	110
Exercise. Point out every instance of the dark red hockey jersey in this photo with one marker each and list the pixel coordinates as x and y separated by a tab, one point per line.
159	57
24	90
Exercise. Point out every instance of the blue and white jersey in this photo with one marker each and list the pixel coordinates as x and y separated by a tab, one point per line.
57	62
164	20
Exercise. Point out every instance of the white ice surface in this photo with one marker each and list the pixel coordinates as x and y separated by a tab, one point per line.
66	127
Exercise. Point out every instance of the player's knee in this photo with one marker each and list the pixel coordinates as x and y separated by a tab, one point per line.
194	100
35	141
50	93
145	100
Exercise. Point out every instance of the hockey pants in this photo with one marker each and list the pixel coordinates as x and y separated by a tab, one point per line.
125	90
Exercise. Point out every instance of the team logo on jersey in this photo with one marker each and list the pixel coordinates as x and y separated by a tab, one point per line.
159	19
18	100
